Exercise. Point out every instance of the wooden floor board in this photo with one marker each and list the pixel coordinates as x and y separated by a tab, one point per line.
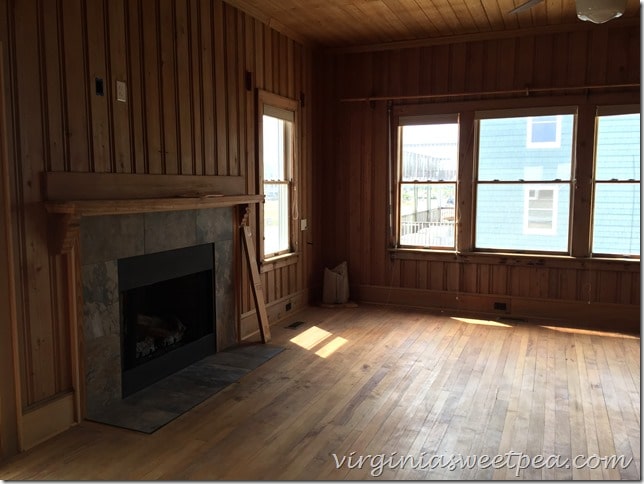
397	385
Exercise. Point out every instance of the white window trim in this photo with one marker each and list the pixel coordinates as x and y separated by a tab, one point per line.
526	209
543	144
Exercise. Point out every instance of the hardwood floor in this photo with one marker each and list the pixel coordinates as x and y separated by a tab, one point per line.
390	383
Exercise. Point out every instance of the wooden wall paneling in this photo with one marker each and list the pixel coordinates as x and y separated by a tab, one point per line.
499	279
505	64
166	36
284	71
135	73
458	60
267	43
98	68
453	277
208	110
152	92
354	195
38	373
369	192
491	58
380	261
475	67
242	99
196	77
291	62
231	160
221	100
62	349
440	66
470	278
425	70
597	50
543	49
55	155
618	57
437	276
118	110
259	54
559	66
184	86
484	286
608	286
77	87
577	61
525	60
624	288
10	389
410	75
633	49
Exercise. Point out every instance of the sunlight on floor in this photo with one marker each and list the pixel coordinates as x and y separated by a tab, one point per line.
314	336
331	347
310	338
590	332
482	322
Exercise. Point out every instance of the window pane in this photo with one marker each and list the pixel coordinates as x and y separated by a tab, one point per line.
274	150
544	130
427	214
430	152
618	147
616	228
523	217
276	218
504	155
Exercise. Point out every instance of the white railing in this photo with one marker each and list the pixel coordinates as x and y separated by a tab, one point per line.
427	234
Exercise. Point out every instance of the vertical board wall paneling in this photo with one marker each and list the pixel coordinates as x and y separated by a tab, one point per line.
187	111
558	60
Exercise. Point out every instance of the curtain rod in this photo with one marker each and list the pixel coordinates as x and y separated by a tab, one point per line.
527	91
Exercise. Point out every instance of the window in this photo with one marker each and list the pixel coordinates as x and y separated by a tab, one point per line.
428	161
543	132
523	195
277	151
616	206
540	216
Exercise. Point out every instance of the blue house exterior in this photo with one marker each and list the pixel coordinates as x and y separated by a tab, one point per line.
523	162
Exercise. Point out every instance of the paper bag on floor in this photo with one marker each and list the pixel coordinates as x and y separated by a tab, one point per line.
336	285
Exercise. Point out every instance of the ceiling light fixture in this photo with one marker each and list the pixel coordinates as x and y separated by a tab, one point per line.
600	11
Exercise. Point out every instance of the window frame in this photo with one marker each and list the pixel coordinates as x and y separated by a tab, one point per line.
277	106
609	110
526	112
543	144
451	118
580	210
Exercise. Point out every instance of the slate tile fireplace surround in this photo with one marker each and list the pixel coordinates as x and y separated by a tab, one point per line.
104	241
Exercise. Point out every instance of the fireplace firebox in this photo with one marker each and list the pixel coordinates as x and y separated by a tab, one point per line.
167	309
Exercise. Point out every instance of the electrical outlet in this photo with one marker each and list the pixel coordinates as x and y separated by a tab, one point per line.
304	224
121	91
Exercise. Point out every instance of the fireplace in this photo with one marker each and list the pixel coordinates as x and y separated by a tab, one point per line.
166	254
167	313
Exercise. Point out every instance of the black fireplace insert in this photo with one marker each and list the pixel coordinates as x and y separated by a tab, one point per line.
167	313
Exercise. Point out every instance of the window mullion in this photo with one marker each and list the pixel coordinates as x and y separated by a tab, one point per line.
582	207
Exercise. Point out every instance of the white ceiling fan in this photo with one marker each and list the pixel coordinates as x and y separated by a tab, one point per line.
597	11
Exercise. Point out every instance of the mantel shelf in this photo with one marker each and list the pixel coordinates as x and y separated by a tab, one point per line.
88	208
66	214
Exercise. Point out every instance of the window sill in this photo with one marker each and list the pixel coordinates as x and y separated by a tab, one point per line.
516	259
278	261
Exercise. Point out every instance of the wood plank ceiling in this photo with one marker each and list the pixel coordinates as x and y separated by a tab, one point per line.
345	23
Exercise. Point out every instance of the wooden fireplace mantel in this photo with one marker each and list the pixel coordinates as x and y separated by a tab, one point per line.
115	195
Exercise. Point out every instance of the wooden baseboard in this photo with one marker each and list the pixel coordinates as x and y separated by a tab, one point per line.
47	420
595	316
276	313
